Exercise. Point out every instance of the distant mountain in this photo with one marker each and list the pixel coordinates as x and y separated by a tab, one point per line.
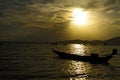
113	41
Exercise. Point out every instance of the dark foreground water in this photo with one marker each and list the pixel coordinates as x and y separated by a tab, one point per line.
38	62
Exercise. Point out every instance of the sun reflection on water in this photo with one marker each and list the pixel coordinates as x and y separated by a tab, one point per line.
77	70
78	49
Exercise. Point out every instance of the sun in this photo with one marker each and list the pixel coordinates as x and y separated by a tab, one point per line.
79	17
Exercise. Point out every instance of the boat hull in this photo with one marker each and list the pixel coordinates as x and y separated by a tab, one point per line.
93	59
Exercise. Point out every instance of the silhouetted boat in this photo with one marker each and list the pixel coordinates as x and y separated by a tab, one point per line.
92	58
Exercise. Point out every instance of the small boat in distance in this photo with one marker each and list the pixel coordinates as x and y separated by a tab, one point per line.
94	58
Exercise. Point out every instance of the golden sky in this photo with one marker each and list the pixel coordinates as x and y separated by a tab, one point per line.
48	20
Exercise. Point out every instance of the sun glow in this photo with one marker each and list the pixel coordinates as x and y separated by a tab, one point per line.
79	17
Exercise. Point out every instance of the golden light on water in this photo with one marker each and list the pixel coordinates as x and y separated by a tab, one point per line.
78	49
79	16
78	69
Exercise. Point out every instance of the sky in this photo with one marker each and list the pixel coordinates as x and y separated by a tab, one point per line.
51	20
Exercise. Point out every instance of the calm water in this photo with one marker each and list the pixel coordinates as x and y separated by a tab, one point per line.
38	62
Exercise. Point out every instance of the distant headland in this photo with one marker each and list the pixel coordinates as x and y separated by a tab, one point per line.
112	41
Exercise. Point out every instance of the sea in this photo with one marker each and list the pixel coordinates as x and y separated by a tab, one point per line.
33	61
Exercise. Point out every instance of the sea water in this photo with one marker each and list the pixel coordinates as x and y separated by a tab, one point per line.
31	61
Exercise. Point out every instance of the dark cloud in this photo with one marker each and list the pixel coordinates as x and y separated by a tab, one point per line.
91	5
112	2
